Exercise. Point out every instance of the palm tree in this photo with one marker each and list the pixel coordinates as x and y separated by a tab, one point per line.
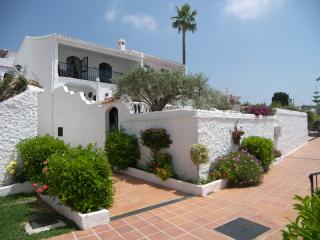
185	21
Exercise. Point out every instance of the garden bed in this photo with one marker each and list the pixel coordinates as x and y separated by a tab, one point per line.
16	188
84	221
194	189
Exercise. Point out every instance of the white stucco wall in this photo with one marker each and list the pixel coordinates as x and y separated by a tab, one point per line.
212	128
18	118
182	127
83	121
214	132
294	129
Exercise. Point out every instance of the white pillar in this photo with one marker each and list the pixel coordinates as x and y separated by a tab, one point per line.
98	89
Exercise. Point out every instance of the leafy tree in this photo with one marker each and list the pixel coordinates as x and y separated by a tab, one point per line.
211	98
184	21
157	88
281	98
316	96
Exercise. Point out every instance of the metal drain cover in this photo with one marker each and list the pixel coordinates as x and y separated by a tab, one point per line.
43	221
242	229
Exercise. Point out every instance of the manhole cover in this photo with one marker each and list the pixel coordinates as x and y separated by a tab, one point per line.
43	221
242	229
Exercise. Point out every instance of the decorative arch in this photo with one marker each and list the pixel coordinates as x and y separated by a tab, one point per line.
74	67
105	72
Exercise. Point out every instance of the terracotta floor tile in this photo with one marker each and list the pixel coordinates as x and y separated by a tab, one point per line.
159	236
148	230
91	237
83	233
124	229
108	234
173	232
133	235
102	228
162	225
68	236
186	236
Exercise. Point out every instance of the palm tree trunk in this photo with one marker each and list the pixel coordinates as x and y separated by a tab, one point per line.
184	47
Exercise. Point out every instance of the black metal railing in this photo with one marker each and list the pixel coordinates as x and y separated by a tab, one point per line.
315	189
89	73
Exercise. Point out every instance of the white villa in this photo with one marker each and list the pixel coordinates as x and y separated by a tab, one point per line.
7	59
77	105
66	66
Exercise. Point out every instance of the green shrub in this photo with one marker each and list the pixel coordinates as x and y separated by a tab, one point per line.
199	154
81	178
162	167
155	139
35	153
261	148
122	149
307	224
240	168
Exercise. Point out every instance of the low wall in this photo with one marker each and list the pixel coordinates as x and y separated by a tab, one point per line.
214	132
294	130
182	127
18	118
212	128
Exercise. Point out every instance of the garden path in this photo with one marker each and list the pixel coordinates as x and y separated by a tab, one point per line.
269	204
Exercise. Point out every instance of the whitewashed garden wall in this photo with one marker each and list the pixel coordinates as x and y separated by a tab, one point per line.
212	128
18	120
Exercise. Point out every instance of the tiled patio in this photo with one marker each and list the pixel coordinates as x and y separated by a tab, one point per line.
133	193
269	204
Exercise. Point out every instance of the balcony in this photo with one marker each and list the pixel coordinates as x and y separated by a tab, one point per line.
86	73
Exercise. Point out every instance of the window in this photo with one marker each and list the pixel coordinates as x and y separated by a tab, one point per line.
60	131
105	72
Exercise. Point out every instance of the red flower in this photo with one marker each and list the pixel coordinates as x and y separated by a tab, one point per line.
45	169
39	190
34	185
44	187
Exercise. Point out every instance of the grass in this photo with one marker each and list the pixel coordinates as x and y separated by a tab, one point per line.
16	210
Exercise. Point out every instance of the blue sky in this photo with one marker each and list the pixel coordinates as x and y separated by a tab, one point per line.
251	47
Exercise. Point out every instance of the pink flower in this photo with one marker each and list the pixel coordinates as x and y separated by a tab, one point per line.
45	162
44	187
45	169
39	190
34	185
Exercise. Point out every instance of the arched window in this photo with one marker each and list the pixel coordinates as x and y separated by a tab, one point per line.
105	72
113	119
74	67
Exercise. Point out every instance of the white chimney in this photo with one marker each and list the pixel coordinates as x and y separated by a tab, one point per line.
122	44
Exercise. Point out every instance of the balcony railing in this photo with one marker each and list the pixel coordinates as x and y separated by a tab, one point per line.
89	73
315	188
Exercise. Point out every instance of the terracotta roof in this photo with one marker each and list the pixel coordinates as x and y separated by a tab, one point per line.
109	100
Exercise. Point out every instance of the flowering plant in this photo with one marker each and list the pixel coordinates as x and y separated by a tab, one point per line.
41	180
12	167
240	168
236	134
162	167
261	109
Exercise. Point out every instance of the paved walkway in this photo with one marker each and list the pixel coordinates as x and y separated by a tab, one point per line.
133	193
269	204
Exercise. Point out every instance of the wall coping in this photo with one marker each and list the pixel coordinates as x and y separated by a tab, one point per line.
194	113
280	111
